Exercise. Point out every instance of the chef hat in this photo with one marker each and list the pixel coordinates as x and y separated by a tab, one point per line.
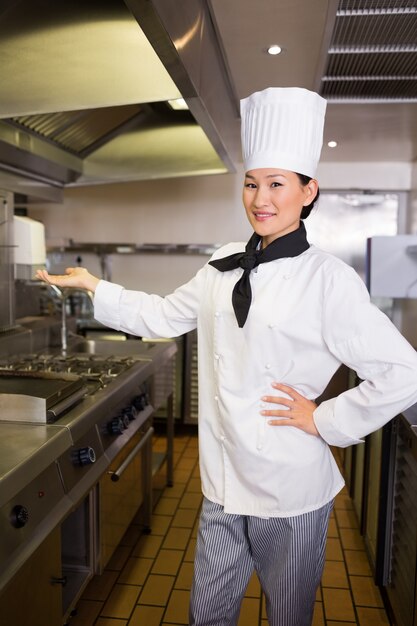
283	128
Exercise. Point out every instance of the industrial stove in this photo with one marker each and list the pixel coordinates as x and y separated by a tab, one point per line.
76	469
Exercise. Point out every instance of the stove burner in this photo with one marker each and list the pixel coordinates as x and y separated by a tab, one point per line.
96	370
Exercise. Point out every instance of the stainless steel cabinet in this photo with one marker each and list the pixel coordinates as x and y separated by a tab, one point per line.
34	595
401	557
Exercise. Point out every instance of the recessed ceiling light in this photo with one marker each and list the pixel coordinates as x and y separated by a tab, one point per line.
178	105
332	144
274	49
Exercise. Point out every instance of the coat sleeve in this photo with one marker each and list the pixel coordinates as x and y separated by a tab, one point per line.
150	315
358	334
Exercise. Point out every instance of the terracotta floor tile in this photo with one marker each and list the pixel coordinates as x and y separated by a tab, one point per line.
249	612
131	536
194	485
191	501
180	442
195	528
351	539
119	558
181	476
168	562
87	611
166	506
156	590
176	538
148	546
334	575
178	606
357	563
372	617
175	491
318	617
186	463
334	549
176	457
160	524
146	616
121	601
365	592
190	453
338	605
346	518
184	518
343	502
185	576
99	587
253	590
149	577
332	530
135	571
190	551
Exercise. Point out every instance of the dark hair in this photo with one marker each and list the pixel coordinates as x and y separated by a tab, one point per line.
304	180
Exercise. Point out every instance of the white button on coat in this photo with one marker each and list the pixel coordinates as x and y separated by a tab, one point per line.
304	328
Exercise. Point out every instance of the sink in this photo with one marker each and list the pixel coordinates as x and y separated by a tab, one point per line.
130	347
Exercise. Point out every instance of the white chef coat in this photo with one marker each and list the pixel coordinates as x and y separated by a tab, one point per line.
309	314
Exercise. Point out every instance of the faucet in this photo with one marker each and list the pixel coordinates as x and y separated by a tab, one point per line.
63	294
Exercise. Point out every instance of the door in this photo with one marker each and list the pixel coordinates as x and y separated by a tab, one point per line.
34	595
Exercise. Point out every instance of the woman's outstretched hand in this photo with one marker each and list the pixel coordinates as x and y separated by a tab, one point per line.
299	411
75	277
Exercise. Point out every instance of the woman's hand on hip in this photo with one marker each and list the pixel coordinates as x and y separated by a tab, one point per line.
75	277
298	414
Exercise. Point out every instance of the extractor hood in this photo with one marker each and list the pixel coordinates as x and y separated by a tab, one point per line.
86	87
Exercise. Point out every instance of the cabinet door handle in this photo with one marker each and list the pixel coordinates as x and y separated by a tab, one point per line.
115	476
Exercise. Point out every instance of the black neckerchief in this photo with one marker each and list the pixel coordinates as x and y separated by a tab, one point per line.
289	245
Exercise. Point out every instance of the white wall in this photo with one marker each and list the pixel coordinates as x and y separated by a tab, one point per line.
205	209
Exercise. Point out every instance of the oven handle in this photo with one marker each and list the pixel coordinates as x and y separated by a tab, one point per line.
117	474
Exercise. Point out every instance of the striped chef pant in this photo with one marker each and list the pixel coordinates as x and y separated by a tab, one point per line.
286	552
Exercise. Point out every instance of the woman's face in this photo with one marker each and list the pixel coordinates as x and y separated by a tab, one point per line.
274	199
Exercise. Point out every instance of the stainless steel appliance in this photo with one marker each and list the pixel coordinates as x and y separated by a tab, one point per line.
399	549
7	298
161	357
102	437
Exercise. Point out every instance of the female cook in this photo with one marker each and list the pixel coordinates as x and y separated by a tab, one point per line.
275	320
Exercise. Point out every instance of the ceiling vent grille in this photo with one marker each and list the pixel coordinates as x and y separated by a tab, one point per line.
373	52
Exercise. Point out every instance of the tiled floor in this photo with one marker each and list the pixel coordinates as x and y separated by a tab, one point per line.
147	582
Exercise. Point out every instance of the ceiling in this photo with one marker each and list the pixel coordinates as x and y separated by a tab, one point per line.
86	82
369	77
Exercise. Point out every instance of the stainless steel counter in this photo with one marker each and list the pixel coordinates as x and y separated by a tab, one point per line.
26	450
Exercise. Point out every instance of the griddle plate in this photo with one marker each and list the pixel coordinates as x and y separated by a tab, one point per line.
49	386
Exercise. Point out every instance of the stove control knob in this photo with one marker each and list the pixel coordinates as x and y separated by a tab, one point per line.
115	426
130	412
85	456
19	516
141	401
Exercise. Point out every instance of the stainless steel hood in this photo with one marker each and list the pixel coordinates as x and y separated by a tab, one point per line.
86	85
